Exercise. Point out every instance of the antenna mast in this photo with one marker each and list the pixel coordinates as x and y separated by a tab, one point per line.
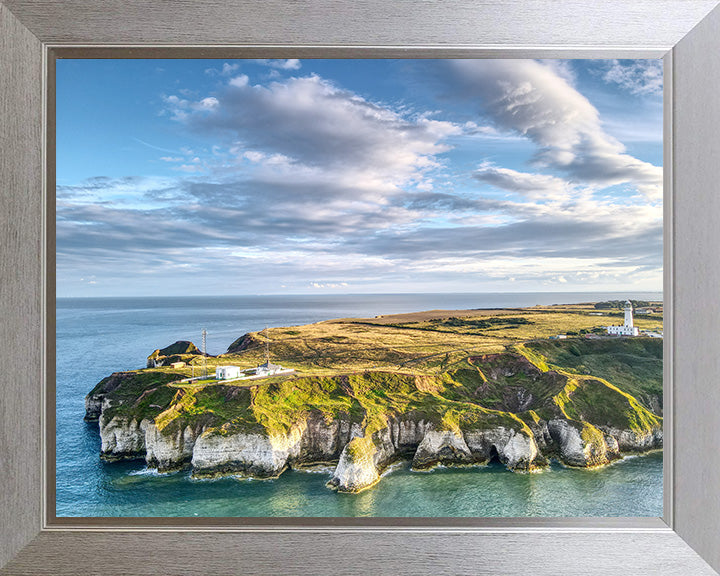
204	353
267	345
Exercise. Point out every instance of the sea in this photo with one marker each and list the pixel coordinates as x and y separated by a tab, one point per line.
98	336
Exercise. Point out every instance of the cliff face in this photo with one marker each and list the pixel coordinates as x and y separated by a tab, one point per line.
122	438
365	421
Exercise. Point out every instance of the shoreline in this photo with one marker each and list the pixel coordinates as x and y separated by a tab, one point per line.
361	394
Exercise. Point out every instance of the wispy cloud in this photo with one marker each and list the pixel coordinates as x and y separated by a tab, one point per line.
289	64
640	77
153	147
533	99
226	70
533	186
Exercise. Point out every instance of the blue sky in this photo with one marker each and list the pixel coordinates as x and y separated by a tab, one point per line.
202	177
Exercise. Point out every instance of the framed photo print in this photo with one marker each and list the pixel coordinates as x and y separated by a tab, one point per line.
439	286
359	288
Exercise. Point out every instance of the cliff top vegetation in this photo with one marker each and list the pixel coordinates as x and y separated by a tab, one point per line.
456	369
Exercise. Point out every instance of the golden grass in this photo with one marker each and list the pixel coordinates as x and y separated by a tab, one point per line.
413	342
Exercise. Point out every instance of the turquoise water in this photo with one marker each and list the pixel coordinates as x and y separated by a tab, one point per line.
632	487
98	336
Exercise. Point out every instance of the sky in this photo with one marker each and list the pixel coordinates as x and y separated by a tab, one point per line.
238	177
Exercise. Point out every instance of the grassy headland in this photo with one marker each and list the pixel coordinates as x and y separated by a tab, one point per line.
458	370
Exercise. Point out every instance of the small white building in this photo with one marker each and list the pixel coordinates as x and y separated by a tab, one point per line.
268	369
653	334
627	329
228	372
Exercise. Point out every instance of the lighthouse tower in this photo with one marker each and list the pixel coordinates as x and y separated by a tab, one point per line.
627	329
628	314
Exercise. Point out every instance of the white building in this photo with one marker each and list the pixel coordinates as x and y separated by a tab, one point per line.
268	369
627	329
228	372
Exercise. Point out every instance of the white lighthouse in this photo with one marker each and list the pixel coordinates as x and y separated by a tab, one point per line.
627	329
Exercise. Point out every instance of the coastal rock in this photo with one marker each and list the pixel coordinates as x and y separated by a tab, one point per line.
613	449
93	406
541	434
250	454
323	441
441	447
356	470
580	444
122	438
362	461
633	441
168	452
406	435
514	448
496	406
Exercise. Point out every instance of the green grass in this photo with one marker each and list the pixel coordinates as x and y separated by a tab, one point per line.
140	394
459	373
634	365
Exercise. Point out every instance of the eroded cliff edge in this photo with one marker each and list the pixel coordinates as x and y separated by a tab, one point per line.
515	406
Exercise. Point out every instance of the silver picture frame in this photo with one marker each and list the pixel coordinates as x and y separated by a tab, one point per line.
683	32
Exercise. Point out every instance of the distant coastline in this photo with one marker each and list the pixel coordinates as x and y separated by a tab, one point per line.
439	387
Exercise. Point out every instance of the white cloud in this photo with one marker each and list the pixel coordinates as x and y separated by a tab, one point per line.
289	64
254	156
226	69
239	81
640	77
208	103
533	99
532	186
345	156
328	284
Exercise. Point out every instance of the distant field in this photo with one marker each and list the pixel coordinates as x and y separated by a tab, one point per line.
429	342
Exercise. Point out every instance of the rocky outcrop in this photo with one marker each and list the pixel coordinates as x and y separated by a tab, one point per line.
496	407
364	458
254	454
173	353
93	406
169	451
441	447
324	441
633	441
96	400
122	438
406	435
514	448
357	468
581	444
361	459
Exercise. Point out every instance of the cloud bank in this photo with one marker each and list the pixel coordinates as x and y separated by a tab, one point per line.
304	185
